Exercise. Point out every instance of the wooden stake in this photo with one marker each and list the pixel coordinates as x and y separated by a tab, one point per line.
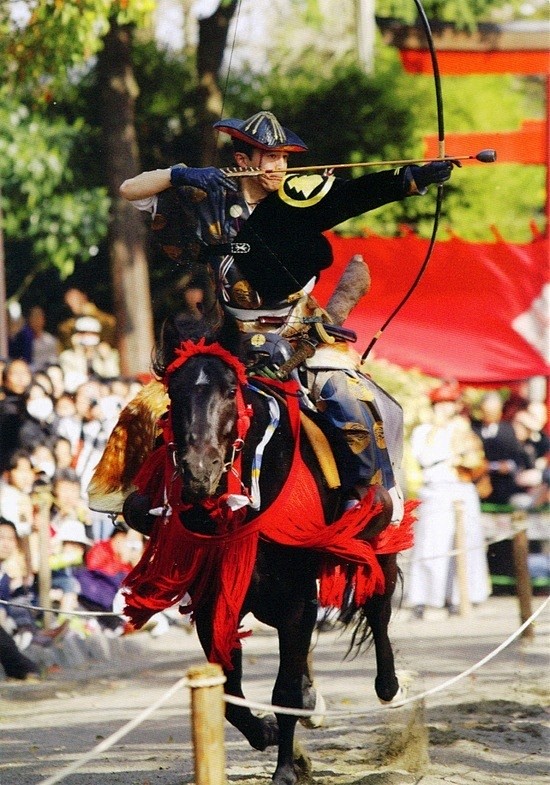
520	549
465	605
207	723
44	571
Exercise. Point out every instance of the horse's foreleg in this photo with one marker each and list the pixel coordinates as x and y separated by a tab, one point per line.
260	732
293	685
378	612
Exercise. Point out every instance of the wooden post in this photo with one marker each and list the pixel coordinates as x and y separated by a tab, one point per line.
207	723
520	549
465	605
44	571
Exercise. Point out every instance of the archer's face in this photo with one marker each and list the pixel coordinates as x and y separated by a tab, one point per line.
273	162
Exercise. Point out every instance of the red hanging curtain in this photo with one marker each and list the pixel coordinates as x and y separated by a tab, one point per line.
480	313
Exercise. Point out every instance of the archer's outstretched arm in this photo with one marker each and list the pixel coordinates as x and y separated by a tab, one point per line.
145	184
150	184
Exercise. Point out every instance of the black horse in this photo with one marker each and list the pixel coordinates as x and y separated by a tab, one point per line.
208	448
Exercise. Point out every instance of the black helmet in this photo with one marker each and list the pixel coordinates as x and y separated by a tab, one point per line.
263	131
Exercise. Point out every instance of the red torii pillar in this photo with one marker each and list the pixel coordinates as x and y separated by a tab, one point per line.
491	49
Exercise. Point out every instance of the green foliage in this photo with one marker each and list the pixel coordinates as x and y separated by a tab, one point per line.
343	117
167	107
50	205
40	201
508	197
488	102
49	36
463	13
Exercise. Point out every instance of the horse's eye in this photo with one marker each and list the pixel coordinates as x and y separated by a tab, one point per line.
231	393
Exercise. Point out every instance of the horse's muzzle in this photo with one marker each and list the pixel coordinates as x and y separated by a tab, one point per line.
201	475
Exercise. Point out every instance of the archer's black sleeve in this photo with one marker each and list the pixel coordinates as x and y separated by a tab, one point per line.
334	199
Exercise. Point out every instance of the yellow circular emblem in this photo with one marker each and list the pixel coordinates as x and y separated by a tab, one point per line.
257	339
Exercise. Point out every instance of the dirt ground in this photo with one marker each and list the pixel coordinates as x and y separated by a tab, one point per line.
489	728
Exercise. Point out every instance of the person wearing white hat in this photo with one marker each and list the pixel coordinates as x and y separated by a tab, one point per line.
80	304
73	544
89	356
450	456
73	532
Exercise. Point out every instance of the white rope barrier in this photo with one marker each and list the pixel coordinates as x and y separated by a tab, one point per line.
398	704
58	610
108	742
266	707
407	559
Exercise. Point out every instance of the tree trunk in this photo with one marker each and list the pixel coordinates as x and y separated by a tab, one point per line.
127	247
3	318
212	40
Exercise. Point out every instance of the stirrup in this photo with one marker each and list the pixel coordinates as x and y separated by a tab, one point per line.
396	495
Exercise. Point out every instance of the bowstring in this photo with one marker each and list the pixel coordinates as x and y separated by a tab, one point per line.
224	95
230	62
440	189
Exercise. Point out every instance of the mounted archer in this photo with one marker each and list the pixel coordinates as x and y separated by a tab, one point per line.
262	236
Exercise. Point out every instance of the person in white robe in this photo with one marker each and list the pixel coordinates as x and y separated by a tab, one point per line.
451	458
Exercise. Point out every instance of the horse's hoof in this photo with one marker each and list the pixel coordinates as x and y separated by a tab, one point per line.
317	719
387	688
268	735
397	698
404	679
299	772
285	776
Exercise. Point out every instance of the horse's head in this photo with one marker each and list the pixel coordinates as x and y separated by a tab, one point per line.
204	414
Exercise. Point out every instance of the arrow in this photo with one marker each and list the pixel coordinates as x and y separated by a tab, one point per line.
488	156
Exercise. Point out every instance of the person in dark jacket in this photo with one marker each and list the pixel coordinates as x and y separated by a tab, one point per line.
507	459
16	379
263	237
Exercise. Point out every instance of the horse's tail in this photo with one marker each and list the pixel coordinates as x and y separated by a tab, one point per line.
131	441
357	606
354	618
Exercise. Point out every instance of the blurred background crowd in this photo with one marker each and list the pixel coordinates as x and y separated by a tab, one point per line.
60	397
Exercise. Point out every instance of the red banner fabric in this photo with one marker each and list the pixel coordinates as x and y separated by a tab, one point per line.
527	145
480	313
457	63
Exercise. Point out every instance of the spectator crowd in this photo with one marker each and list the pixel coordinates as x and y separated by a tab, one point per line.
60	397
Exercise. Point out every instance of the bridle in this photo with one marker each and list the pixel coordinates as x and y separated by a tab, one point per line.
233	466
